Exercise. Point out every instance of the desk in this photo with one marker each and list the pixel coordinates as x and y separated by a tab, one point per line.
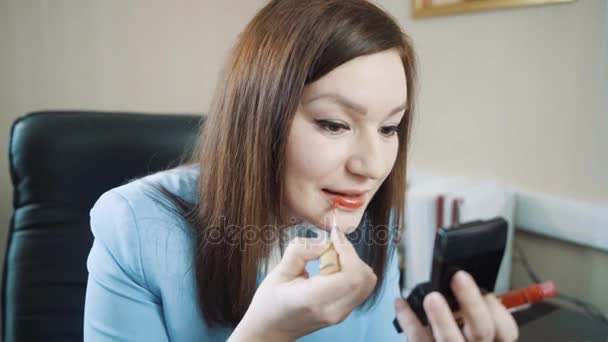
548	322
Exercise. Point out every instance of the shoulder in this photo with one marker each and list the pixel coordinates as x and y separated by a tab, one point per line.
140	200
181	181
142	229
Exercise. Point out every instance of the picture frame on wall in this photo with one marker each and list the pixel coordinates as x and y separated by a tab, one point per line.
431	8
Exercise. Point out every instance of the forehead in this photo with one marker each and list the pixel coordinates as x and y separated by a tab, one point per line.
376	82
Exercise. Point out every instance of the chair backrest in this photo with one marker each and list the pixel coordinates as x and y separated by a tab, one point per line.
60	163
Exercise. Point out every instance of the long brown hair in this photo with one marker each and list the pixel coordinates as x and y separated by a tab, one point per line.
241	151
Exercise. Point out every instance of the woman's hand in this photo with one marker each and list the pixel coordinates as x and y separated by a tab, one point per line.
289	304
484	317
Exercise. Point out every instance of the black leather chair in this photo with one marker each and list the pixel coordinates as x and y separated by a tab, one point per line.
60	163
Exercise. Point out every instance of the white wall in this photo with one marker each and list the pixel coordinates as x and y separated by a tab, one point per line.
517	95
521	96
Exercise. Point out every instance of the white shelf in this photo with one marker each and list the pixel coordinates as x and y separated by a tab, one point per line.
556	217
564	219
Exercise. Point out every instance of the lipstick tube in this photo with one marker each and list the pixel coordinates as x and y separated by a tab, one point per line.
328	261
514	300
521	299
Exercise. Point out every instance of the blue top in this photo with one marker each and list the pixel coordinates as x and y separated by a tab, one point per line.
141	283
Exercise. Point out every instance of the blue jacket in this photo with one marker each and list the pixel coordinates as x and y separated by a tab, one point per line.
141	283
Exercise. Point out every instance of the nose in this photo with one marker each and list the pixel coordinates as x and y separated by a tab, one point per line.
367	158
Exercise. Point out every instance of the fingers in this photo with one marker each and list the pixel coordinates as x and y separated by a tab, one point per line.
486	319
354	271
441	319
506	328
479	324
409	323
298	253
352	284
347	253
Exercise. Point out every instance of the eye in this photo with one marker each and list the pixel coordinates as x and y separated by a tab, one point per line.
332	127
389	131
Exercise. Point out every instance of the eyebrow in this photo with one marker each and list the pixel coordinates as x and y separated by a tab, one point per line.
344	102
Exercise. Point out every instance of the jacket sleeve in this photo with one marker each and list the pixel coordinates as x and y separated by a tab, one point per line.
381	315
119	304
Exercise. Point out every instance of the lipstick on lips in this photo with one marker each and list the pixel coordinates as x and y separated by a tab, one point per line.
346	199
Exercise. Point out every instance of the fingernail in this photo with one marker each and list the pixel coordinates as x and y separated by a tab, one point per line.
334	231
334	220
461	276
433	299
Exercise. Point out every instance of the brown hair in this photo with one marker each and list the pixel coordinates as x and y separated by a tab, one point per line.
287	45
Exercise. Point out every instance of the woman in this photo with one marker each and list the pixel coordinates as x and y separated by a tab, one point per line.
316	102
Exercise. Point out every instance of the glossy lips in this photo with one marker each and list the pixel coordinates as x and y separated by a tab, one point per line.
347	201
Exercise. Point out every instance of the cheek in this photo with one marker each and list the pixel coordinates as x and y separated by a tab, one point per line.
309	156
311	159
392	156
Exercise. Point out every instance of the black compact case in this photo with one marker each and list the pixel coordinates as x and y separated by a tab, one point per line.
476	247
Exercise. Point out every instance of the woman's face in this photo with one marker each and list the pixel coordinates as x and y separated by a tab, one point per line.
343	139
